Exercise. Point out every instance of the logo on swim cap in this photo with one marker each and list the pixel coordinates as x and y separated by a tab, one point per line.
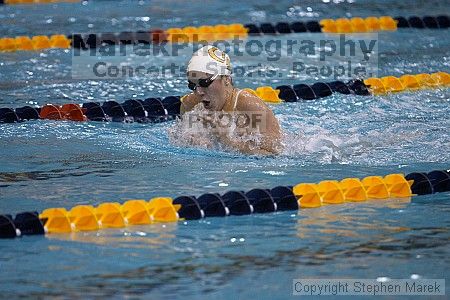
223	59
211	52
211	60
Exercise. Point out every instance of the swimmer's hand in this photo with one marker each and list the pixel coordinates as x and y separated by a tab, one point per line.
246	147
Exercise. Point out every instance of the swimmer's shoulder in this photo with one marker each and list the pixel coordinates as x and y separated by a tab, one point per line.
249	101
188	102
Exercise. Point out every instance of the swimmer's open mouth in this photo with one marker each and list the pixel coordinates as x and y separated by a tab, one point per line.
206	104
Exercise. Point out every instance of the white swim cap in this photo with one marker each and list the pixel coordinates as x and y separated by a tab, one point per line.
210	60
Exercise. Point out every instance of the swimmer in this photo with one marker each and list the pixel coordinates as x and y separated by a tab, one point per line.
209	77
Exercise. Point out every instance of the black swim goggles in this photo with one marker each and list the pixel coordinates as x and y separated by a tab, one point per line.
204	83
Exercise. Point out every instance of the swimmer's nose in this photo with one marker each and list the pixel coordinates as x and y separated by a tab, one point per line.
200	90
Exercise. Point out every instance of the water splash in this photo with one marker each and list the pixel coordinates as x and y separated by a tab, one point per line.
199	128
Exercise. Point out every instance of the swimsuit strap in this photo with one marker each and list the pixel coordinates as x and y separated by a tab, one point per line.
236	99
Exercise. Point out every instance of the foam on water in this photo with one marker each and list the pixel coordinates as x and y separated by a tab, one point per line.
211	132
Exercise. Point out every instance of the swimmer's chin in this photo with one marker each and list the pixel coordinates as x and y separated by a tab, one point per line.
207	106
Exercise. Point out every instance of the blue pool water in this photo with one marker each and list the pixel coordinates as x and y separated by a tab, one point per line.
62	164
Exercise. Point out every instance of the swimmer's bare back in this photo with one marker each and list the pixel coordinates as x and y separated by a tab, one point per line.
270	142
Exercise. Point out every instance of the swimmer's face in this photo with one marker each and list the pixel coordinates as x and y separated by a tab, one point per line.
213	97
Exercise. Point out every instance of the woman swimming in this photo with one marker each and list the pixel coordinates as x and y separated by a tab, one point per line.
209	77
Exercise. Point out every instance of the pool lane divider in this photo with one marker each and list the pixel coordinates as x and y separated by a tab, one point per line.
191	34
156	110
150	110
363	87
165	209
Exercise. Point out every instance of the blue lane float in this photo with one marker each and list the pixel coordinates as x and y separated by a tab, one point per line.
7	227
7	115
304	92
422	184
427	22
440	181
321	89
28	223
115	110
287	93
237	202
135	109
261	200
339	87
190	208
284	198
95	112
27	113
213	205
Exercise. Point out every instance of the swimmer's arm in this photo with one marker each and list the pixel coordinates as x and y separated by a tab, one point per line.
188	102
272	139
268	125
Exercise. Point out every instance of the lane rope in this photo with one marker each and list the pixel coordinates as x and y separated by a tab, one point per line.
209	33
166	209
155	109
